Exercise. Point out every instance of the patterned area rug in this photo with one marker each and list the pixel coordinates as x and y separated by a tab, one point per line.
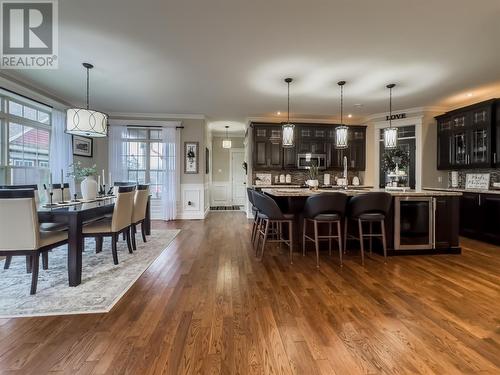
103	283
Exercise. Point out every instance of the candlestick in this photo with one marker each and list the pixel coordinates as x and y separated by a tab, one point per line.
99	181
50	182
50	195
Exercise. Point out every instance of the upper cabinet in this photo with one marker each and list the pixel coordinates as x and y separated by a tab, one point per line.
268	153
465	137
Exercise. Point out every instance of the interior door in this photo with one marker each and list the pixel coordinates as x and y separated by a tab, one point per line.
238	178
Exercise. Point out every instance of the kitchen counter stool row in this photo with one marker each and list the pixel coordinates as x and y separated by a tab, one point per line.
330	210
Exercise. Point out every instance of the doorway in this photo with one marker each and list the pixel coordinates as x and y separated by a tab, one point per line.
238	177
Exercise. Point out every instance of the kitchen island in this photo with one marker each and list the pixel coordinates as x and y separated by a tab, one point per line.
419	222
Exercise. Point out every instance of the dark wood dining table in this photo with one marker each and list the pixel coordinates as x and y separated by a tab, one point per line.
75	216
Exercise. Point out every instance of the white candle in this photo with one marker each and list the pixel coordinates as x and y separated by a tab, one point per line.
50	183
103	179
98	182
62	177
110	182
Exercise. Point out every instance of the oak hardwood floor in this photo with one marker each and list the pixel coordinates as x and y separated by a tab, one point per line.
206	306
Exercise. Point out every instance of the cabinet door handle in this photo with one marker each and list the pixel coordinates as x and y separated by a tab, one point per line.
495	157
479	199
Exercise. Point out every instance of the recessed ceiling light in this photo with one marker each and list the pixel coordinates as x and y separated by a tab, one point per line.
278	113
349	115
469	94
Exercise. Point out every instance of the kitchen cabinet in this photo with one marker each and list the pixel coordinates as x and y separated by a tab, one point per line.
465	137
446	222
269	154
496	150
480	216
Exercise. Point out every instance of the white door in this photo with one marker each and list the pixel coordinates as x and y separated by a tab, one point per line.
238	178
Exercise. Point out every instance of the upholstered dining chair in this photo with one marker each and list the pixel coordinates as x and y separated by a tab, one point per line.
43	226
117	184
139	212
120	222
20	233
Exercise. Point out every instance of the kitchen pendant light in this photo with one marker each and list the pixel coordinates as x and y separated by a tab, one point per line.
341	131
84	121
288	129
390	133
226	143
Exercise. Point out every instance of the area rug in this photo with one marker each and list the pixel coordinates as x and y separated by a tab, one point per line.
103	283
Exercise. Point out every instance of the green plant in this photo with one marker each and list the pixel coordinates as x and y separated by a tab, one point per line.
78	172
313	171
396	156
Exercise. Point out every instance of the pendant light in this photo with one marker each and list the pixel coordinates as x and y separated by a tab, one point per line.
390	133
287	129
84	121
226	143
341	131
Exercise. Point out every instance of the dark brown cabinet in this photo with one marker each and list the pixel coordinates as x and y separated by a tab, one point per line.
446	222
480	216
466	137
309	138
496	150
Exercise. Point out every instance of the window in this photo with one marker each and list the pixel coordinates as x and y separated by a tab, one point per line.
24	140
143	153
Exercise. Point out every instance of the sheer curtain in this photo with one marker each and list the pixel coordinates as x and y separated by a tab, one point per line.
61	149
116	154
169	188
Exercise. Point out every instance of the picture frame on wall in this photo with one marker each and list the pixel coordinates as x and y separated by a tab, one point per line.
191	157
83	146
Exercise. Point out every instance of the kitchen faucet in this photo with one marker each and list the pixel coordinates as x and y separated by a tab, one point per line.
345	172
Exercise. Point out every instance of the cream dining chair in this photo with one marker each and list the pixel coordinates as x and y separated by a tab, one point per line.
139	212
119	222
20	233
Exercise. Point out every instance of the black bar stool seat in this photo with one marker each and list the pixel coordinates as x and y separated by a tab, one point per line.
324	208
371	217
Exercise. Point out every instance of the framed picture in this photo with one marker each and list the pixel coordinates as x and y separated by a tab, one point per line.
82	146
207	161
191	157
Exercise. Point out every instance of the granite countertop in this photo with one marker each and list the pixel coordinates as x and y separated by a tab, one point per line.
478	191
295	186
283	192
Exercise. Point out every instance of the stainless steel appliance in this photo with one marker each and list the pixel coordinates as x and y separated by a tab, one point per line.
414	223
304	161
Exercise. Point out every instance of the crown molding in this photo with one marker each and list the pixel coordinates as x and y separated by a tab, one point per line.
156	116
414	112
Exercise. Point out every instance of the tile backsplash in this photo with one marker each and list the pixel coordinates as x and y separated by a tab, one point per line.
495	176
300	176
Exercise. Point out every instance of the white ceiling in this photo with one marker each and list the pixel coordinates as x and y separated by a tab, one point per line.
226	59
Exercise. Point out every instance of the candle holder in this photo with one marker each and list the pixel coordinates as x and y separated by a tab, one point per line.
103	190
51	203
110	191
62	195
74	198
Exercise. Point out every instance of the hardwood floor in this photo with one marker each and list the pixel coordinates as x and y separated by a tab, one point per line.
207	306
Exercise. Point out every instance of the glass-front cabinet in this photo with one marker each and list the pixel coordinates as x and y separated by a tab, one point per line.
465	137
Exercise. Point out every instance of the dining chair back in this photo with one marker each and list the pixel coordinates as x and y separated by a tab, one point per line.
124	205
18	220
24	187
140	203
377	202
117	184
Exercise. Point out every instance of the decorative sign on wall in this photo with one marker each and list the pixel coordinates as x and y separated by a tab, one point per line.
397	116
477	181
191	157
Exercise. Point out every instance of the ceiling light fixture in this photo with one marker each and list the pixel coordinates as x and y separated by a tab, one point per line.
84	121
390	133
226	143
341	131
287	129
349	115
278	113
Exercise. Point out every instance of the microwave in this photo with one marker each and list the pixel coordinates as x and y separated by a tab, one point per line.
304	161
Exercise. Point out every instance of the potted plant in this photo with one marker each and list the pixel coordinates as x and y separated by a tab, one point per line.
312	181
88	184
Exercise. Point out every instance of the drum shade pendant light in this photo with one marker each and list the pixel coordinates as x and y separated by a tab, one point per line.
84	121
288	129
226	143
341	131
390	133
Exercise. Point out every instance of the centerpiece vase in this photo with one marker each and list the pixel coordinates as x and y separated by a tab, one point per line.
88	188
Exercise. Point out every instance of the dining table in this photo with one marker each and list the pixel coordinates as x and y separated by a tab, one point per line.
75	215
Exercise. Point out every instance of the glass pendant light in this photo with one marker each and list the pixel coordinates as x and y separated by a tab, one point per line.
390	133
84	121
287	129
226	143
342	130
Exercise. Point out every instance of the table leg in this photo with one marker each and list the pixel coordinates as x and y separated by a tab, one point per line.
147	220
75	242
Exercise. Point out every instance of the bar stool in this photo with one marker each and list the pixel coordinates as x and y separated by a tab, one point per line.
324	208
372	208
270	215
